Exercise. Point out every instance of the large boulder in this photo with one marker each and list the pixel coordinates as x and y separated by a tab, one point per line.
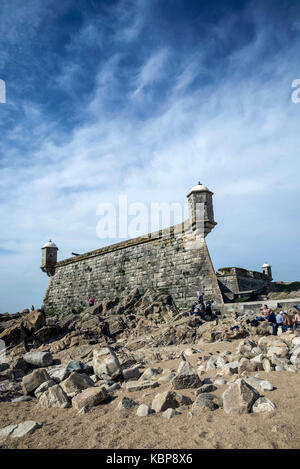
35	320
126	403
186	377
116	325
18	363
38	359
106	364
67	323
273	345
143	410
296	341
79	367
54	397
259	384
6	431
88	323
95	309
32	381
58	373
230	368
25	428
75	383
132	373
165	400
263	329
129	301
246	365
205	401
246	347
43	387
263	404
170	413
267	365
47	332
89	397
258	360
14	334
132	386
239	397
150	373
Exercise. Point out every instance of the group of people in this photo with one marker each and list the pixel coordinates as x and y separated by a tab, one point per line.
202	309
282	319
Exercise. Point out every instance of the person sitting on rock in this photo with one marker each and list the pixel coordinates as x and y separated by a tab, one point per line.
208	309
266	310
297	320
92	301
279	319
287	322
193	308
197	310
270	316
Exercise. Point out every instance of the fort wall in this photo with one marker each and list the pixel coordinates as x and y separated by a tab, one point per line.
174	260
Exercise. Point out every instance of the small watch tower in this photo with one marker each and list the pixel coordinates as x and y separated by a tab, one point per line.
267	270
49	258
201	208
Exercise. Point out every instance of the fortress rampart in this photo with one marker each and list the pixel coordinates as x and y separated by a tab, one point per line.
174	260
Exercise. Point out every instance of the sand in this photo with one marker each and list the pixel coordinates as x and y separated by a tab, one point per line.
107	427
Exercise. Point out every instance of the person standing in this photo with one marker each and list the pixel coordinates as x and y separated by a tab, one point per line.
201	299
91	301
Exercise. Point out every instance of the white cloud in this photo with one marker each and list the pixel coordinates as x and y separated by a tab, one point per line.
238	135
152	71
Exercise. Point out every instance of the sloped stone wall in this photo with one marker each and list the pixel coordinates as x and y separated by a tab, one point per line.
164	262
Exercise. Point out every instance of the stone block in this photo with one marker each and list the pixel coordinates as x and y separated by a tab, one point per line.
89	397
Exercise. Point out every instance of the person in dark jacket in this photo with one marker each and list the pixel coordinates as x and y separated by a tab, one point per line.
272	321
208	309
200	299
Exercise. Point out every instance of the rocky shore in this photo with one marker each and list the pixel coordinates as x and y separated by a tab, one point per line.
134	372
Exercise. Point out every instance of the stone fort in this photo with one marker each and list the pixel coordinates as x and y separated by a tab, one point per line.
174	260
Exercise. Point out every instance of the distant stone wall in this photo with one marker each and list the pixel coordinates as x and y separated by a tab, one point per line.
234	280
251	283
173	261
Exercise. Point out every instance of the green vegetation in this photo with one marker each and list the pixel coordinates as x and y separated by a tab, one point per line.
51	312
242	299
287	287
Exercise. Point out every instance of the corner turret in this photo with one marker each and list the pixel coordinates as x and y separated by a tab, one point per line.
201	210
267	270
49	258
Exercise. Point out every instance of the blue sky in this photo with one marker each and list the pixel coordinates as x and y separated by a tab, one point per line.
145	98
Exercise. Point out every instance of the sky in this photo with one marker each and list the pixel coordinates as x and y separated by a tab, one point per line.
143	99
